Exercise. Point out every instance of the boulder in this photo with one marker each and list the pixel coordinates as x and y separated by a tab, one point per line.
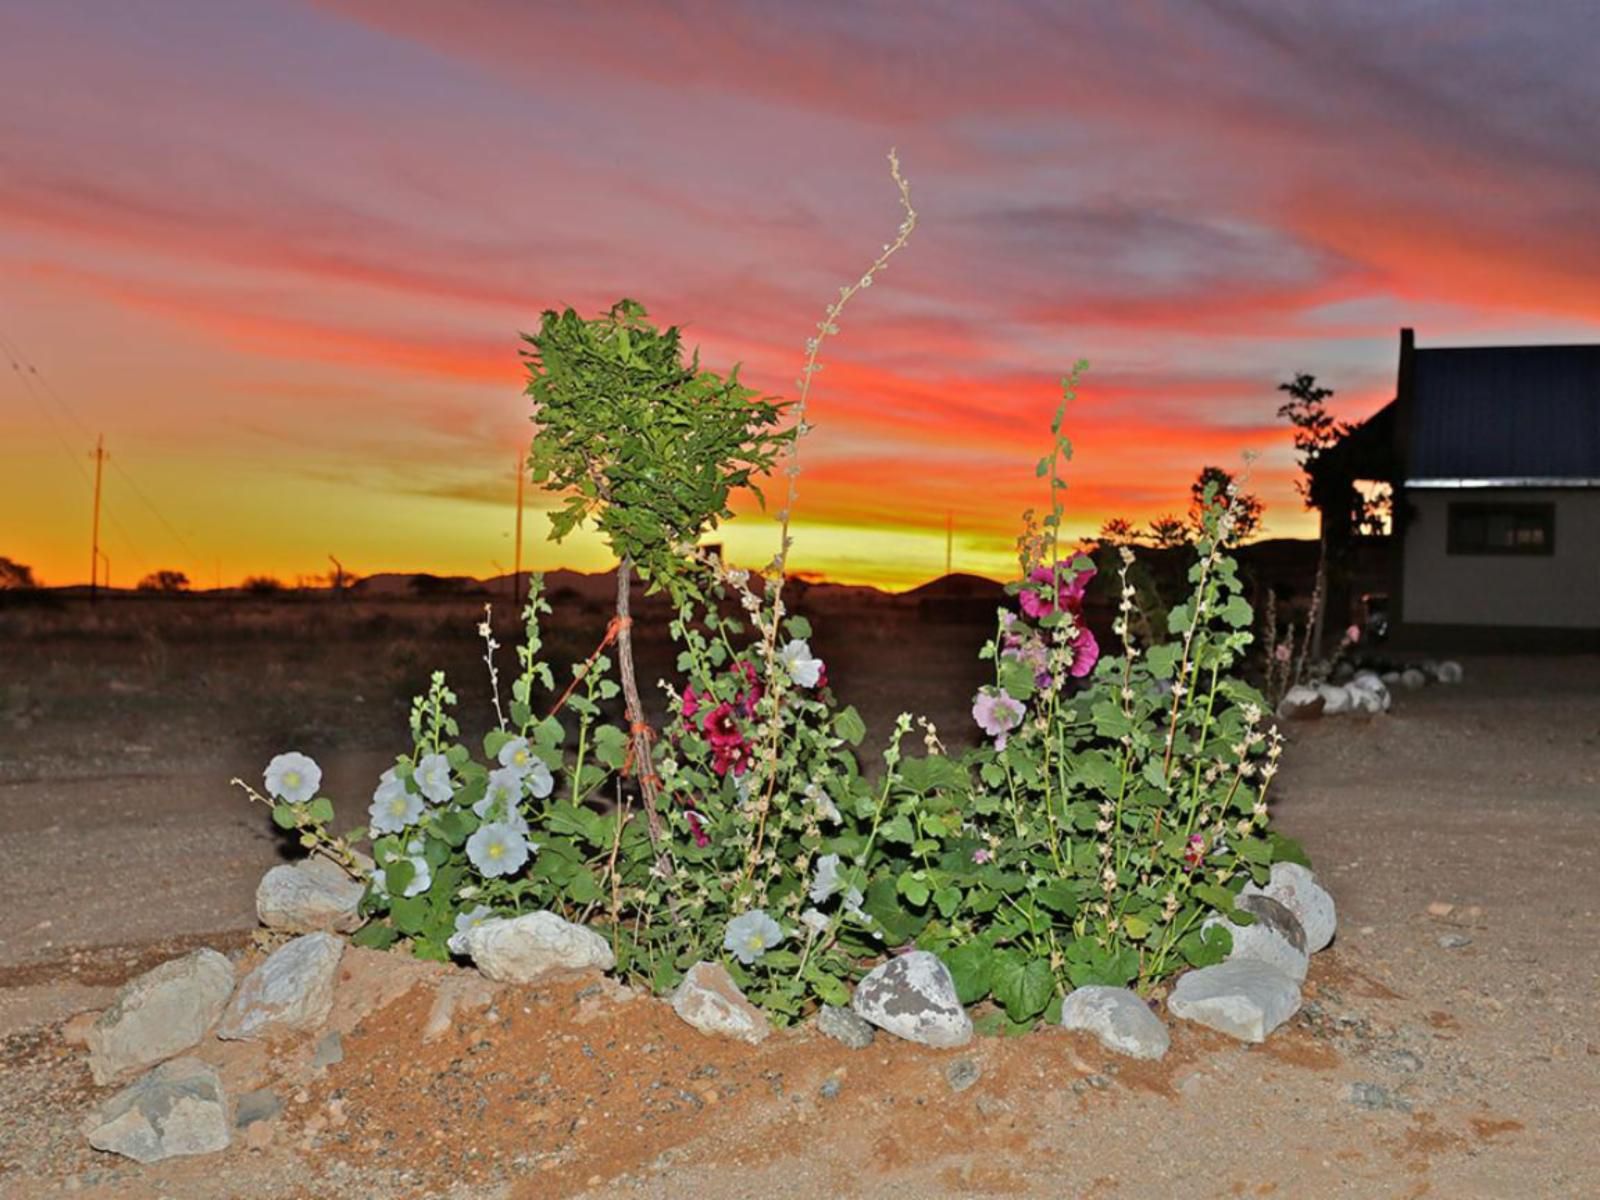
523	949
1297	889
1243	998
1300	704
292	991
1411	679
309	896
1118	1018
844	1026
913	996
1450	671
1368	684
709	1000
176	1109
161	1013
1274	937
1335	699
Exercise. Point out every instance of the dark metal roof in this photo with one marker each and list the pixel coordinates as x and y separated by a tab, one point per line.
1497	412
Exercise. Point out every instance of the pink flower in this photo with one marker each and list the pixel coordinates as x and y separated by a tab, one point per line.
982	855
730	756
1068	587
700	838
1196	853
1353	634
1282	652
1085	653
997	714
720	727
691	703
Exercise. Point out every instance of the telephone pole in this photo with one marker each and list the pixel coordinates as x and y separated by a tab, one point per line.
94	552
516	570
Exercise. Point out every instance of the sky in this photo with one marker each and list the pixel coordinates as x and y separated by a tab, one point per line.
280	254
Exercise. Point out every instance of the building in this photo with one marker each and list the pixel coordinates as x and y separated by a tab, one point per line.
1493	455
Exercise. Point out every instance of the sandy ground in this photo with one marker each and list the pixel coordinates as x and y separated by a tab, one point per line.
1419	1067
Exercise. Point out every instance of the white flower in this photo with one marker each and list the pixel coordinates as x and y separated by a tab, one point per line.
517	753
499	848
377	881
394	807
432	778
826	882
827	810
540	781
422	880
465	923
814	920
500	798
750	935
293	778
803	668
852	905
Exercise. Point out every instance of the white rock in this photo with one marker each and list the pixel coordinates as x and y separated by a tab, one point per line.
1450	671
163	1012
522	949
1274	937
292	991
913	996
709	1000
1116	1016
309	896
1297	889
1390	678
1364	701
177	1109
1300	702
1367	681
1244	998
1335	700
1411	679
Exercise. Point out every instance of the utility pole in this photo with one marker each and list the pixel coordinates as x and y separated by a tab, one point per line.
338	578
106	558
949	540
516	570
94	552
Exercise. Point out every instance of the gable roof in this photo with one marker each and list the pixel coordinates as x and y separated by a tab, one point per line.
1506	412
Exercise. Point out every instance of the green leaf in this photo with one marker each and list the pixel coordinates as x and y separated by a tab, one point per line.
493	742
379	935
397	876
798	627
970	966
409	913
849	725
611	746
948	901
1252	849
583	888
897	829
1023	986
1137	928
320	810
1237	613
1206	947
828	989
913	889
1286	849
283	816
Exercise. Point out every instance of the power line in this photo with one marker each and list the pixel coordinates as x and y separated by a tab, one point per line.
30	374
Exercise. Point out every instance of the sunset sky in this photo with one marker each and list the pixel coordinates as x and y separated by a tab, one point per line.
280	253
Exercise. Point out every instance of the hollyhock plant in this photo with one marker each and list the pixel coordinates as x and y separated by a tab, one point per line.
293	777
1049	591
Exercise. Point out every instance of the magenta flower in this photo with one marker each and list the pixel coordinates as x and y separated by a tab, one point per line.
996	713
982	855
1064	586
691	703
1085	653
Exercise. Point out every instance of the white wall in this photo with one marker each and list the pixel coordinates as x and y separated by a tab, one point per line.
1561	590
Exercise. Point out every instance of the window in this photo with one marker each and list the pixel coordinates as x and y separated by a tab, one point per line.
1502	529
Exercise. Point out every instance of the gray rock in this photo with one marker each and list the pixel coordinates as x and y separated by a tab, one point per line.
1376	1098
523	949
163	1012
1243	998
842	1025
912	996
1118	1018
292	991
709	1000
1335	699
1274	937
1297	889
830	1089
1454	941
260	1105
329	1050
962	1074
176	1109
309	896
1450	671
1411	679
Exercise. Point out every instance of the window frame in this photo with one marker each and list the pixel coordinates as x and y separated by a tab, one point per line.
1535	512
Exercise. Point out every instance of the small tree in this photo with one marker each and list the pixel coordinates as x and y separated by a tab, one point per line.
1118	531
262	585
168	581
649	447
1167	532
1317	431
15	576
1210	490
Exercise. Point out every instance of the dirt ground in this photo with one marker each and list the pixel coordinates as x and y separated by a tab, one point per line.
1449	1046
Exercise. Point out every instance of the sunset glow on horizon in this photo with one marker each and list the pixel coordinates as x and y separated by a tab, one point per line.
281	255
